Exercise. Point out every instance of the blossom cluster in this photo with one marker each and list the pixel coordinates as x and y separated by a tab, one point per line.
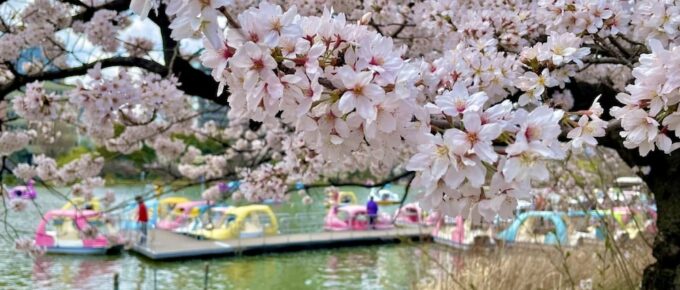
211	166
603	18
477	23
35	26
28	246
471	95
101	27
452	165
656	19
347	90
11	142
547	66
588	127
125	100
80	174
244	146
167	148
348	94
37	104
267	182
138	46
213	193
650	110
335	83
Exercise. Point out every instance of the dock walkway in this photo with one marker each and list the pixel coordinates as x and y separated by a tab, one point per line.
163	245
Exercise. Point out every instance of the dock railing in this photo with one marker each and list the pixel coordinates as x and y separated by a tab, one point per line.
303	222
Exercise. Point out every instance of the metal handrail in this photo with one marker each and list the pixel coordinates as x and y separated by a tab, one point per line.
300	222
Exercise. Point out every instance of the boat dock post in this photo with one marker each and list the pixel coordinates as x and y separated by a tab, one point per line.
207	274
115	281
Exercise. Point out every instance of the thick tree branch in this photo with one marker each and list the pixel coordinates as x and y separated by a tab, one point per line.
75	2
584	93
606	60
403	198
379	184
400	29
21	80
193	81
115	5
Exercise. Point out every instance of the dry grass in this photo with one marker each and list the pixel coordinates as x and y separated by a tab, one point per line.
585	267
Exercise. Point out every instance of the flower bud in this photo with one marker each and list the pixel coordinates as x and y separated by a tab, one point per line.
365	19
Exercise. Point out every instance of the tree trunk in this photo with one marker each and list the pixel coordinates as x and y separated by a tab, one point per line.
664	181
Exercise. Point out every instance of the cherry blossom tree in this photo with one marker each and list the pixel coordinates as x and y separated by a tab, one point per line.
470	98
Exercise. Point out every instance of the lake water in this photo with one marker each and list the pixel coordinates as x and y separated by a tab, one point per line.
403	266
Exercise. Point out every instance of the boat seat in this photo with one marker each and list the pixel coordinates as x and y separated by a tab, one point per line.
69	243
67	232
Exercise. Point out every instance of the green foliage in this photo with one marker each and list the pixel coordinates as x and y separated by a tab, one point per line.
73	154
208	146
21	156
139	157
11	180
587	165
118	129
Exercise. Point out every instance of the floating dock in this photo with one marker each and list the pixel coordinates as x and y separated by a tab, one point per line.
166	245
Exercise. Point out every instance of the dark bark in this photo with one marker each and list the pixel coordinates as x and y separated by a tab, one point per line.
193	81
21	80
585	93
395	178
88	12
664	182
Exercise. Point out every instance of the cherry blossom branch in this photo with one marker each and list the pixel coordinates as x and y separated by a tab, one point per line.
605	60
400	29
616	52
230	19
379	184
326	83
6	167
640	44
20	80
115	5
75	3
620	47
403	198
127	121
376	27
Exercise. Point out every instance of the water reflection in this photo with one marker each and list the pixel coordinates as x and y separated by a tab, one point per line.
72	272
402	266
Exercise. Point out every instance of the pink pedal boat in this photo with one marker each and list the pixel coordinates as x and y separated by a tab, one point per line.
63	232
23	192
353	218
412	215
181	215
460	234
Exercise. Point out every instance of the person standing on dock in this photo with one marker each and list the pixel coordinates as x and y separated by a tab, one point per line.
142	218
372	210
